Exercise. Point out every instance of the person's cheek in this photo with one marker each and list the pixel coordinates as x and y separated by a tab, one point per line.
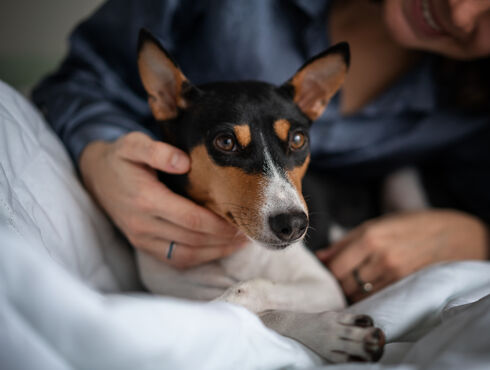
397	25
481	42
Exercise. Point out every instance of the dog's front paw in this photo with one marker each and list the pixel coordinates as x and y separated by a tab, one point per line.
353	338
251	294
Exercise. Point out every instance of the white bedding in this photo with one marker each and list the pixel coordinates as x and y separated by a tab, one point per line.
65	273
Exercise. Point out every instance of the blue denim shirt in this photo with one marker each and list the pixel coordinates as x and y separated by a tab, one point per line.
96	93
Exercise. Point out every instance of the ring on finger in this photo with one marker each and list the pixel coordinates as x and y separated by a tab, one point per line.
171	248
365	286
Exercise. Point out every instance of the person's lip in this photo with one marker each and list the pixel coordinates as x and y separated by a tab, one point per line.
423	18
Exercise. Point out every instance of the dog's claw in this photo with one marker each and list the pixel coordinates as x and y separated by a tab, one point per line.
363	321
359	339
356	359
374	344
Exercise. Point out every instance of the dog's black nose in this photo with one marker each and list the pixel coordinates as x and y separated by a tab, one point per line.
289	226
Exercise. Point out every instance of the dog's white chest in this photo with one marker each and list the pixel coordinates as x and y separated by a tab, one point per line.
251	262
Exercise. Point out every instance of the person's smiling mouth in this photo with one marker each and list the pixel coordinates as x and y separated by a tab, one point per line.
423	19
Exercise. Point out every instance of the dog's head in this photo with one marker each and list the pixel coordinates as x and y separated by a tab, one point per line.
248	141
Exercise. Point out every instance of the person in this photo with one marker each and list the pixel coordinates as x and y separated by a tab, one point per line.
417	94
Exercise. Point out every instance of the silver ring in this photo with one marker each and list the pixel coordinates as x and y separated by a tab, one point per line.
365	286
170	250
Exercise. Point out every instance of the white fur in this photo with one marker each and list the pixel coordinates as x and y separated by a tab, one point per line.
279	196
289	289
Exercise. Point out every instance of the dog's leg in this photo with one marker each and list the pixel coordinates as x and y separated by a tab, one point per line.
260	294
336	336
204	282
291	297
290	279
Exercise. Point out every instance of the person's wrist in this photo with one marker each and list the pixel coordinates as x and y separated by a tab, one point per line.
89	157
480	244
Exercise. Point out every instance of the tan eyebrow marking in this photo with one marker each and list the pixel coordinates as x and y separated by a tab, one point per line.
281	127
242	133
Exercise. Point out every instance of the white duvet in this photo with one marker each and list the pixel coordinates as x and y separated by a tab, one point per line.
68	301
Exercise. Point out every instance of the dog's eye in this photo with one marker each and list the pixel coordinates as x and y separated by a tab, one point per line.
297	140
225	142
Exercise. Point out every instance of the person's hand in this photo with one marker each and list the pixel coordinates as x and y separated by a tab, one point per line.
122	178
385	250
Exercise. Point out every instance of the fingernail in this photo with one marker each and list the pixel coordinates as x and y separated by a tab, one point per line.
242	238
179	161
242	241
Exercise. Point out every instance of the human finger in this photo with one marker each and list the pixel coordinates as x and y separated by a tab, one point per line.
156	227
368	272
185	256
328	253
141	148
378	285
346	260
183	212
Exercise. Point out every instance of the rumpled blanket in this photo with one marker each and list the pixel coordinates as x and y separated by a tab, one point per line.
70	297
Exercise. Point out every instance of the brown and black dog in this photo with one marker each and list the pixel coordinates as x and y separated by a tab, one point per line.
249	147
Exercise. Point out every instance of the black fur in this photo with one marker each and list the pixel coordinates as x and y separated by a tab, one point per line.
215	108
218	107
223	105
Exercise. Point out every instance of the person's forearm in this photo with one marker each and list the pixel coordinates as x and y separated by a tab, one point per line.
94	94
79	120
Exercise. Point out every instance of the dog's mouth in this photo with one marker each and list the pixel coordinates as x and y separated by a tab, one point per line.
265	236
231	219
278	246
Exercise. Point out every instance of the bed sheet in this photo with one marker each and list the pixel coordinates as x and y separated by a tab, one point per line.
65	275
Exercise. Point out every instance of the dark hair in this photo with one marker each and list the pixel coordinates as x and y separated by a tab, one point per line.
464	84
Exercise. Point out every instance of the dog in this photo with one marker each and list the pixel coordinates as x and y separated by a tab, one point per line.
249	148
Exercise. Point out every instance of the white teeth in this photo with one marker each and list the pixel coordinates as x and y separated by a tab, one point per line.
428	16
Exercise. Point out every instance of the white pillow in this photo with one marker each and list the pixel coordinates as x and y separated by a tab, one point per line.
42	200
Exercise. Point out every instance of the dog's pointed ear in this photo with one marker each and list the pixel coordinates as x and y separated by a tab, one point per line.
166	85
319	79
